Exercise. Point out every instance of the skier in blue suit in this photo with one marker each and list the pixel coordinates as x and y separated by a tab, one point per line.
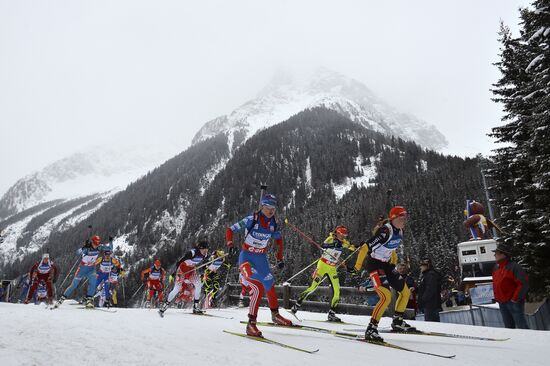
89	253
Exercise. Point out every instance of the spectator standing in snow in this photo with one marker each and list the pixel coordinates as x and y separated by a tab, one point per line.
510	285
429	291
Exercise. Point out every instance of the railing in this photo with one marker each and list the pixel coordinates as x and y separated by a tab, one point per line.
491	317
352	301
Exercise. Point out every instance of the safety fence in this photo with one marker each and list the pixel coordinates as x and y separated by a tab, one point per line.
352	301
488	316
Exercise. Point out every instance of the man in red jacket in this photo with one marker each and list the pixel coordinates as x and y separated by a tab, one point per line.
510	285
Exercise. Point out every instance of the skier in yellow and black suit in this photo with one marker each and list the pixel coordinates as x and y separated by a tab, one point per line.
333	247
380	252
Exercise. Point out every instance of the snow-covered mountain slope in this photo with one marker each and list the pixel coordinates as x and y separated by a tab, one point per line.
32	335
287	95
27	231
100	169
67	192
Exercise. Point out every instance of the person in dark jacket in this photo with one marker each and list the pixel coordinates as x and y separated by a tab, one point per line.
510	285
429	291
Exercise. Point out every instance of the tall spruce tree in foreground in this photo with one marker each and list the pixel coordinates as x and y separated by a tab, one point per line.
521	174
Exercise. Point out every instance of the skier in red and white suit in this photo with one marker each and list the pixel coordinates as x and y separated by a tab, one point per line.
46	271
155	280
187	275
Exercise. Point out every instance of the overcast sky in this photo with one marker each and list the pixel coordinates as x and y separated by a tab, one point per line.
74	74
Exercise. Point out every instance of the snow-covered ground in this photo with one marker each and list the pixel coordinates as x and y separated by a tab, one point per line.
33	335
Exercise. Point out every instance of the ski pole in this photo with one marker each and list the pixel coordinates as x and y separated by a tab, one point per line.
135	293
349	256
69	273
310	240
302	271
263	188
341	263
204	264
123	292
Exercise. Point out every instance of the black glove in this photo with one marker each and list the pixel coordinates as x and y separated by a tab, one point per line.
280	264
111	239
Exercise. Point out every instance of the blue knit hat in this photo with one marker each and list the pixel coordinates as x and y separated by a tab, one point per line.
269	200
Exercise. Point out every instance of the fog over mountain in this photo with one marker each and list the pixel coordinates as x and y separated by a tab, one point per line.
289	93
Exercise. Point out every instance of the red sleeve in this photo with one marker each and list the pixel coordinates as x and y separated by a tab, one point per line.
145	271
54	273
183	268
33	269
279	254
228	235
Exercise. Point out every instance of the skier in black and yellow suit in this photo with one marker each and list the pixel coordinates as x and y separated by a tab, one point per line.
333	247
381	257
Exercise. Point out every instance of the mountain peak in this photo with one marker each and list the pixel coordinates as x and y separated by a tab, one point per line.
291	91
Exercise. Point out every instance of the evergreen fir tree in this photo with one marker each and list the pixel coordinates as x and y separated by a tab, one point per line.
521	173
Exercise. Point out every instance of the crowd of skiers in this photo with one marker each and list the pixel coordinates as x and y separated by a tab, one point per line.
96	264
375	256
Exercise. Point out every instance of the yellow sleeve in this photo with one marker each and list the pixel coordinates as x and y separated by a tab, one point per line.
349	246
329	239
98	260
393	259
363	251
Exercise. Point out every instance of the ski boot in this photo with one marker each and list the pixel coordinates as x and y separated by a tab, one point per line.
163	307
278	318
90	302
240	304
59	302
399	325
196	309
371	334
332	317
294	309
251	329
